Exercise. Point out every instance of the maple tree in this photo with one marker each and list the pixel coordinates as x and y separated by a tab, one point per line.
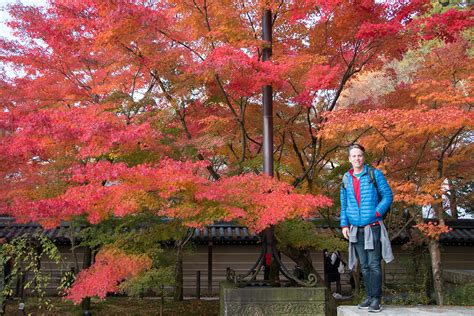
118	108
420	132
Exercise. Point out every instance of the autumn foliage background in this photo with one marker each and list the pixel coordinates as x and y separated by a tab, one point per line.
112	109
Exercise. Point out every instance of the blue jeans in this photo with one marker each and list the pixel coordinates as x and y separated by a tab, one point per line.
369	261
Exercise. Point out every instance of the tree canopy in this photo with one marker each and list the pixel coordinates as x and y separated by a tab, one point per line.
113	108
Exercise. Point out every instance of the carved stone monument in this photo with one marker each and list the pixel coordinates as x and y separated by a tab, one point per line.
258	301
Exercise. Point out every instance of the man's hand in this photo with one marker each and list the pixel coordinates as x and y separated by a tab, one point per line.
345	232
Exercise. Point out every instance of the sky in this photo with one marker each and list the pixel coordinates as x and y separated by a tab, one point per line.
4	16
5	31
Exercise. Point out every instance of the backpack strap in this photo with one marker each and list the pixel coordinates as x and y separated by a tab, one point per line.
373	180
372	177
344	181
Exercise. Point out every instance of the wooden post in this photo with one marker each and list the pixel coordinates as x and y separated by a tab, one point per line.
5	275
384	270
325	269
209	268
162	299
21	305
198	285
356	274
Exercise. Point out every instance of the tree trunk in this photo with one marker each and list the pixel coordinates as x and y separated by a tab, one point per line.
436	268
435	253
178	272
87	262
453	204
303	259
72	239
178	276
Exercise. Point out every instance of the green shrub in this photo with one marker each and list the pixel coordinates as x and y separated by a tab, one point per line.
459	295
416	288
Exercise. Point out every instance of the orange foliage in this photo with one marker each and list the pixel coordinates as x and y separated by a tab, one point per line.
433	230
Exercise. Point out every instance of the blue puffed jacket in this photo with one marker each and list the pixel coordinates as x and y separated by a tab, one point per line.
370	203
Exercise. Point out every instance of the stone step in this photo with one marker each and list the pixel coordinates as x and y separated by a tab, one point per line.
408	311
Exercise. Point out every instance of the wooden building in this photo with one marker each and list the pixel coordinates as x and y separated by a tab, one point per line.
224	245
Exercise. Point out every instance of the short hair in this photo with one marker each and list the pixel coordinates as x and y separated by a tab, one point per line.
355	145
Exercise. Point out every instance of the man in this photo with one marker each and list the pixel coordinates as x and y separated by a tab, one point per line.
365	198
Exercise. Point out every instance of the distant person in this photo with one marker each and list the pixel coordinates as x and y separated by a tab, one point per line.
365	198
333	267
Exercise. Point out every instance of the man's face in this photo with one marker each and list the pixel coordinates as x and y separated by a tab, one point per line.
356	158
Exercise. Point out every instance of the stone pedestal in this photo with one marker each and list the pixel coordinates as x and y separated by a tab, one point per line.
271	300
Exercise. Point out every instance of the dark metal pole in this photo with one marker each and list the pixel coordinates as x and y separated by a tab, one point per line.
267	92
267	99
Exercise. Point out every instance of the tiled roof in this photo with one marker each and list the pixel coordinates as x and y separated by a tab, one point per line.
10	230
226	233
462	233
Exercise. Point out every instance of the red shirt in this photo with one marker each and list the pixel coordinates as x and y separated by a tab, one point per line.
356	184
